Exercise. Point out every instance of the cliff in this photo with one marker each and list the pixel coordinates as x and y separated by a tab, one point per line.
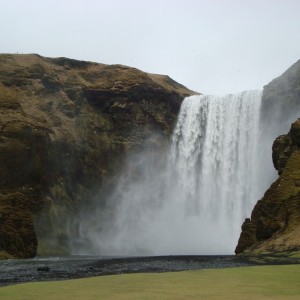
274	226
65	126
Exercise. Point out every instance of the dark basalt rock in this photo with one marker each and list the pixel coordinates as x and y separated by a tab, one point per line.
18	237
281	151
247	238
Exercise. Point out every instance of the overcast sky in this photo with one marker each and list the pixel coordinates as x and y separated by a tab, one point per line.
210	46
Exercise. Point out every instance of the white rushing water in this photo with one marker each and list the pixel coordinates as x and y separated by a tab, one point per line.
194	199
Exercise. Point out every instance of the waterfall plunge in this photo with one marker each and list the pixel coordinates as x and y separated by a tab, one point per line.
194	199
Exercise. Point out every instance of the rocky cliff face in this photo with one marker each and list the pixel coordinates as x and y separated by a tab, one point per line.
274	226
65	126
275	220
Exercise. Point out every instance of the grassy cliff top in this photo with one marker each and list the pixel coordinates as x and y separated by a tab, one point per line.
83	73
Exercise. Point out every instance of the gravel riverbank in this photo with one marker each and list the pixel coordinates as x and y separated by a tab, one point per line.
59	268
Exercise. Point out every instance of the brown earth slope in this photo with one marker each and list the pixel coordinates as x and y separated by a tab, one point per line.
64	128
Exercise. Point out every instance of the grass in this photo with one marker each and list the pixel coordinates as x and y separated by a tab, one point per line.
262	282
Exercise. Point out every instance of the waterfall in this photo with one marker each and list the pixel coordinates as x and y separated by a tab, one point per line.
193	199
214	151
215	154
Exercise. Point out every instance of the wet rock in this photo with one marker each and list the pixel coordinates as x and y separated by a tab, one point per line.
43	269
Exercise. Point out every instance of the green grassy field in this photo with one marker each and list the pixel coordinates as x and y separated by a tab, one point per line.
262	282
